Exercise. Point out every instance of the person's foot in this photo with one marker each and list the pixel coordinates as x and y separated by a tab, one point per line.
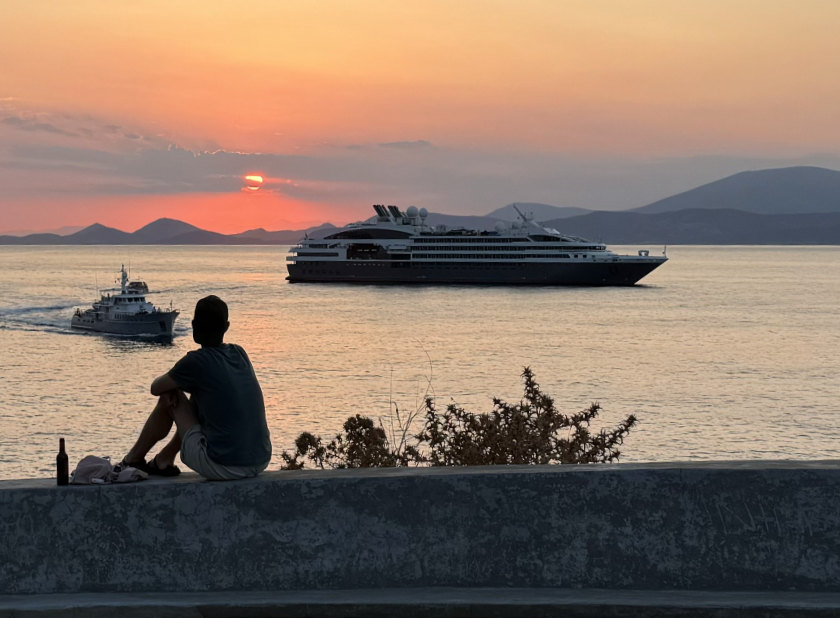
152	467
125	463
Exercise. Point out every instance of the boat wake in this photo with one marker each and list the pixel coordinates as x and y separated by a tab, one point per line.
47	318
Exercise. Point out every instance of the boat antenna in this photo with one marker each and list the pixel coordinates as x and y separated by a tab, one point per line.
527	220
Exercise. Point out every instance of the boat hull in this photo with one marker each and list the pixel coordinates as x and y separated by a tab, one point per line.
607	273
160	324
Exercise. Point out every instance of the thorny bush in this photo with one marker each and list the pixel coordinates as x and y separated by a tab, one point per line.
531	431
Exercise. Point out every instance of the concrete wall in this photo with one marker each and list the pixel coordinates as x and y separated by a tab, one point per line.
724	526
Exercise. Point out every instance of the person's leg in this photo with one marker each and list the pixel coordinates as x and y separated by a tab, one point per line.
156	428
183	413
166	456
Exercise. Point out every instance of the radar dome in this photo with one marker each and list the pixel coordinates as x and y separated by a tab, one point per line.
411	211
424	213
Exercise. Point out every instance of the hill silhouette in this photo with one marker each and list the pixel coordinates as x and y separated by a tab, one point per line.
787	190
541	212
704	226
164	229
796	205
98	234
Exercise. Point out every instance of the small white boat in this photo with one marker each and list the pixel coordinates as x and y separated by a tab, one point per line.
126	312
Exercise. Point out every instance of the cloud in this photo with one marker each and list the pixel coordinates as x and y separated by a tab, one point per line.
26	124
79	156
411	145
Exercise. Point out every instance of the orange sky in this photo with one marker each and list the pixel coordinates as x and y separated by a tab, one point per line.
419	101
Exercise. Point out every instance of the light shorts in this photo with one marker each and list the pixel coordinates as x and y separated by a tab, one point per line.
194	455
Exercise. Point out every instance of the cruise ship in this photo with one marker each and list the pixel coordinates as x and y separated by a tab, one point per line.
399	247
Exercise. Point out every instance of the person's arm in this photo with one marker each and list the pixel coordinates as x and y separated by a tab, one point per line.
163	384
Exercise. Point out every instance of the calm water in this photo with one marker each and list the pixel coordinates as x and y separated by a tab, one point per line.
724	353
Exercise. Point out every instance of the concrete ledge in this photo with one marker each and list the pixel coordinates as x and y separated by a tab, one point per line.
427	603
717	527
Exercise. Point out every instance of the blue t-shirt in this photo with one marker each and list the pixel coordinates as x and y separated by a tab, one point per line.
229	403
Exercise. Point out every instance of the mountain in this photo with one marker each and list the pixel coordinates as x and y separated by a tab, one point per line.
794	205
61	231
98	234
33	239
704	226
198	237
707	226
787	190
541	212
163	229
260	236
166	232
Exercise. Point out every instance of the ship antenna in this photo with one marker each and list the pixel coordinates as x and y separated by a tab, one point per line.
525	219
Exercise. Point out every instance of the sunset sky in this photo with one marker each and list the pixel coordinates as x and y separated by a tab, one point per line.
124	112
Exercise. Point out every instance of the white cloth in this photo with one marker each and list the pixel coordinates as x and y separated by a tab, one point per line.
93	470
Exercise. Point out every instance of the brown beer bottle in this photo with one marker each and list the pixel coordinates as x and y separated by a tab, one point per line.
61	464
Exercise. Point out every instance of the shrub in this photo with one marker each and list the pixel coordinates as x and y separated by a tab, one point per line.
531	431
362	445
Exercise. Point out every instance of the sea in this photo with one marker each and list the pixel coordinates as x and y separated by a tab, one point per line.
723	353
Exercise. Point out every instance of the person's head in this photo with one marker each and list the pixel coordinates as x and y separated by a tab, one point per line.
210	322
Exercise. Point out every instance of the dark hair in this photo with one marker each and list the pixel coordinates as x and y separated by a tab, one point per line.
211	318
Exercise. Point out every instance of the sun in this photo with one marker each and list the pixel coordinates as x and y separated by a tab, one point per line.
253	182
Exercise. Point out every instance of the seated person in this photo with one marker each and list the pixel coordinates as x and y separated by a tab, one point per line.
221	428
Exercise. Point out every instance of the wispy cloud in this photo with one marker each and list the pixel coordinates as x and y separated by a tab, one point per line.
81	156
17	117
28	124
411	145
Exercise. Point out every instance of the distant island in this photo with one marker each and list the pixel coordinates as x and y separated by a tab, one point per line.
786	206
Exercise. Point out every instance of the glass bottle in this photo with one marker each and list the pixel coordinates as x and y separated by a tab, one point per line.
61	464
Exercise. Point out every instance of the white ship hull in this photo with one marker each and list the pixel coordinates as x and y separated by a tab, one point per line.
160	324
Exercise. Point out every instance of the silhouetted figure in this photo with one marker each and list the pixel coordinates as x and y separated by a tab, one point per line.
221	428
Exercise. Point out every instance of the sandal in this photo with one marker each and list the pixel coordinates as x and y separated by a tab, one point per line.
151	468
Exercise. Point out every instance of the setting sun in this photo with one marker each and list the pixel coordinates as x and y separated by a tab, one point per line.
253	182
